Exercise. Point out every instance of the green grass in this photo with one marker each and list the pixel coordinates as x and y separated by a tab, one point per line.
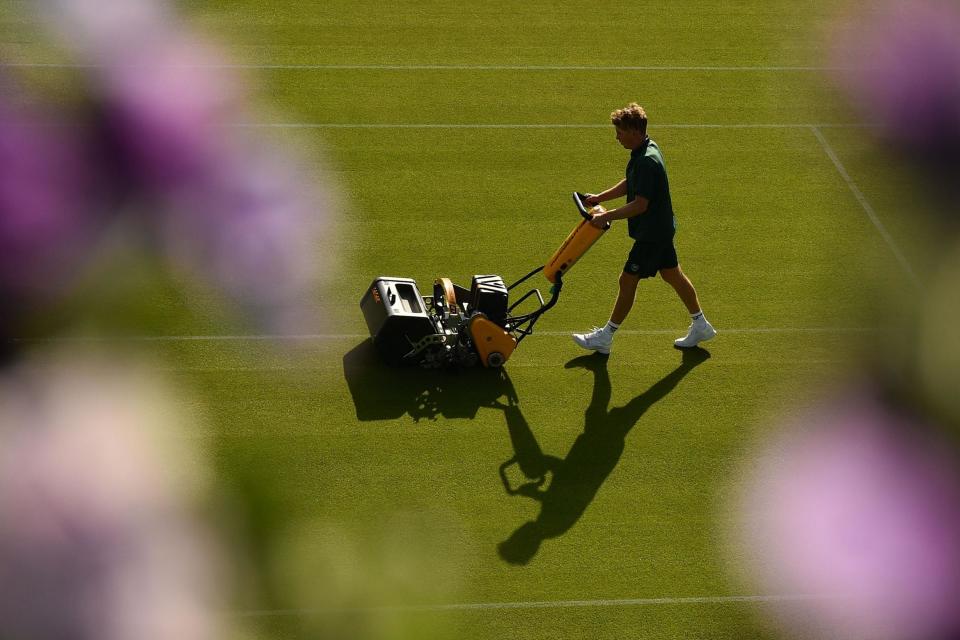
361	486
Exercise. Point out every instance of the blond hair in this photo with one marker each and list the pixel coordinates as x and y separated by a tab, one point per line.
631	116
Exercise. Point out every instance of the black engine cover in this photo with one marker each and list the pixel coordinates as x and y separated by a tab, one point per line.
488	295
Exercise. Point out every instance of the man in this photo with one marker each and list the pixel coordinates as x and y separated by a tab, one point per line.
651	224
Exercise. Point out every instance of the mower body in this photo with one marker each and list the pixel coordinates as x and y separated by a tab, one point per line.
463	327
453	327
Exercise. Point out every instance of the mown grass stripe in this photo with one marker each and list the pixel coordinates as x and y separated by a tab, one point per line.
351	336
545	604
442	67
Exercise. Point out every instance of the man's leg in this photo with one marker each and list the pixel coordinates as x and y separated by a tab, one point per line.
700	329
625	297
599	340
677	279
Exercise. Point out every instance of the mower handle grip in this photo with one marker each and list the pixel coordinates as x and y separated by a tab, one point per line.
578	198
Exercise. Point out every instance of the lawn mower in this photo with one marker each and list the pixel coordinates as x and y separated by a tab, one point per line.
462	327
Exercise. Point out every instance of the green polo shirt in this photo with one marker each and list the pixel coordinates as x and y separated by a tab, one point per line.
647	177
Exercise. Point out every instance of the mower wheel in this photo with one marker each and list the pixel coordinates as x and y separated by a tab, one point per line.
495	359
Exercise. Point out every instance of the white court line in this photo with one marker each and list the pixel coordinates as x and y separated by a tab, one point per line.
512	366
439	67
307	337
867	207
482	125
454	125
657	332
547	604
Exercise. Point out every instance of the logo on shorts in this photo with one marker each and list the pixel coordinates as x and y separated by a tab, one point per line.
633	267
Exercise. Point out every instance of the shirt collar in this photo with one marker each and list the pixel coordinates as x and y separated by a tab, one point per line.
642	149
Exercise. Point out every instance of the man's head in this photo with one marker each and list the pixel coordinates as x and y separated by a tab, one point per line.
631	125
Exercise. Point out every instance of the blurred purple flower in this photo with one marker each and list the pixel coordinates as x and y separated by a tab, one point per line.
855	504
47	204
162	89
96	537
232	212
163	108
255	231
105	31
900	65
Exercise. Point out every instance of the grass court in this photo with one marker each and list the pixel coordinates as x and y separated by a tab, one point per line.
389	503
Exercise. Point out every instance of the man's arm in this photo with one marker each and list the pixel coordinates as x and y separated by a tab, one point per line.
616	191
634	208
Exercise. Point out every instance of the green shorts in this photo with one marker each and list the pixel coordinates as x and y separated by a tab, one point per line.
648	258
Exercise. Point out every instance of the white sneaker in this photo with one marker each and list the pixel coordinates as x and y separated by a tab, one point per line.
698	332
597	340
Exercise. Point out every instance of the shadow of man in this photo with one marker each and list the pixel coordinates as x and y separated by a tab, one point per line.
578	477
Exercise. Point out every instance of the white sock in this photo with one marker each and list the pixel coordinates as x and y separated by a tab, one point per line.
698	317
611	327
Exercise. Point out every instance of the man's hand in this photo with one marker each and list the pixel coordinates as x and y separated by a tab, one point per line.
591	200
600	220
